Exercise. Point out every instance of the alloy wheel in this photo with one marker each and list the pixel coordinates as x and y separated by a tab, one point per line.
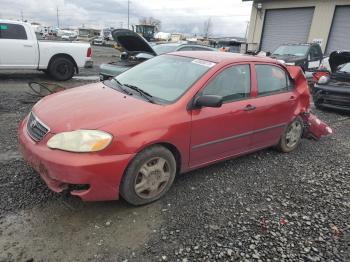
293	134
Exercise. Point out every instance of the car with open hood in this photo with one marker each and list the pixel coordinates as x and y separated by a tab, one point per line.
171	114
332	90
137	50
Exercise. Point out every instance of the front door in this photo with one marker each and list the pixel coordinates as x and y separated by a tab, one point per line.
222	132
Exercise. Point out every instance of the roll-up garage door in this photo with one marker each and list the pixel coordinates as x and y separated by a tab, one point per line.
283	26
339	37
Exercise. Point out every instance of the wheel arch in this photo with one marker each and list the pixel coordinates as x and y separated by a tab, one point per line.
170	146
65	56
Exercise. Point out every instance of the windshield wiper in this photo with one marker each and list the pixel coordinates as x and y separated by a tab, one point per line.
142	93
121	87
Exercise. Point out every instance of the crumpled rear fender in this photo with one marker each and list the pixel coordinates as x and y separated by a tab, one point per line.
314	127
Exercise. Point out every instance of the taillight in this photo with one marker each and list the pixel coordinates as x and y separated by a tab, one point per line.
89	52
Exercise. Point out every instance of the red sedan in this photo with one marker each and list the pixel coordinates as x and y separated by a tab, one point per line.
131	135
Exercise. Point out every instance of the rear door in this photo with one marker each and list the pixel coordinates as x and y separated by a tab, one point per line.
275	104
18	49
218	133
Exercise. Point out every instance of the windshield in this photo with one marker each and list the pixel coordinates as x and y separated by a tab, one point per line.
344	68
162	49
293	50
166	77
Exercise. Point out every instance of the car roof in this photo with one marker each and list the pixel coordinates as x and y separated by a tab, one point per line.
218	57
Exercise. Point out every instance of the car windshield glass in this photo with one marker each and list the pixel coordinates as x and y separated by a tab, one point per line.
165	77
344	68
162	49
292	50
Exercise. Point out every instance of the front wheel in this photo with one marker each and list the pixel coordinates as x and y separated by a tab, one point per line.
291	136
149	176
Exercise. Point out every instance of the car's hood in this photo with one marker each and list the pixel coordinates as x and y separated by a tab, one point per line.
89	107
131	42
338	58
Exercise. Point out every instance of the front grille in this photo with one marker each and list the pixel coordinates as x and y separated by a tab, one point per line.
341	100
35	128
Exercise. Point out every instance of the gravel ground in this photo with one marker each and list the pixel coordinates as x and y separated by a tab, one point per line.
263	207
266	206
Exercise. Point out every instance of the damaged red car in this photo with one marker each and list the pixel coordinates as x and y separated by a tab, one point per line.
129	136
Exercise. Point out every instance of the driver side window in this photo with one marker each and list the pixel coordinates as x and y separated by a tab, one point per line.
232	84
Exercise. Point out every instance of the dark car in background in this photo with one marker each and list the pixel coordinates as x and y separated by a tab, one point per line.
137	50
307	56
333	91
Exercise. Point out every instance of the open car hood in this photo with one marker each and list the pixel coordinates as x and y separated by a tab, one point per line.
338	58
132	42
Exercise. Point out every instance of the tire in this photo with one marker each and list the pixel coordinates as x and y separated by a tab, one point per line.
291	137
61	68
142	182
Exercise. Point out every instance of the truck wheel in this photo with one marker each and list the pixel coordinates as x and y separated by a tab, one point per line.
149	176
291	136
61	69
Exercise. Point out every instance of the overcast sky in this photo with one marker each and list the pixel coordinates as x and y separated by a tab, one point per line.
229	17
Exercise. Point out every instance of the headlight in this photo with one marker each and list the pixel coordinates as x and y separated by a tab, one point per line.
323	80
80	141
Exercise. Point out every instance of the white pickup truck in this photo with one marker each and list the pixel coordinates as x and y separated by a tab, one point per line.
20	49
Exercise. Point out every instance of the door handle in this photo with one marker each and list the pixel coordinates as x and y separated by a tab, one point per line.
292	98
249	108
27	45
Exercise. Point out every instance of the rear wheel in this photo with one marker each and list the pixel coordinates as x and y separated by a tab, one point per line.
61	69
149	176
291	136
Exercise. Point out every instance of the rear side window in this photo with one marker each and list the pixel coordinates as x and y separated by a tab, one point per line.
199	48
232	84
12	31
271	80
185	48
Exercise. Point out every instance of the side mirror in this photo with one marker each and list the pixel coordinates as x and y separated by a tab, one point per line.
268	53
208	101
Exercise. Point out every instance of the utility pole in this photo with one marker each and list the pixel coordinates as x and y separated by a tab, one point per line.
128	14
58	21
21	15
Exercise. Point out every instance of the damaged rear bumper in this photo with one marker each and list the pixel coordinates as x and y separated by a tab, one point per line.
314	127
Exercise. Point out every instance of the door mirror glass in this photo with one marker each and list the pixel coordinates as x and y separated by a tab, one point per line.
208	101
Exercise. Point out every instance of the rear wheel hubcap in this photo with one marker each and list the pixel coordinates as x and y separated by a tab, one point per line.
293	134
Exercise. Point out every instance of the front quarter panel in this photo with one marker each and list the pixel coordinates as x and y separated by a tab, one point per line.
170	125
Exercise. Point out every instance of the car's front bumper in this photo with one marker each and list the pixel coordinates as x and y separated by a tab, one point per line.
59	169
331	97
